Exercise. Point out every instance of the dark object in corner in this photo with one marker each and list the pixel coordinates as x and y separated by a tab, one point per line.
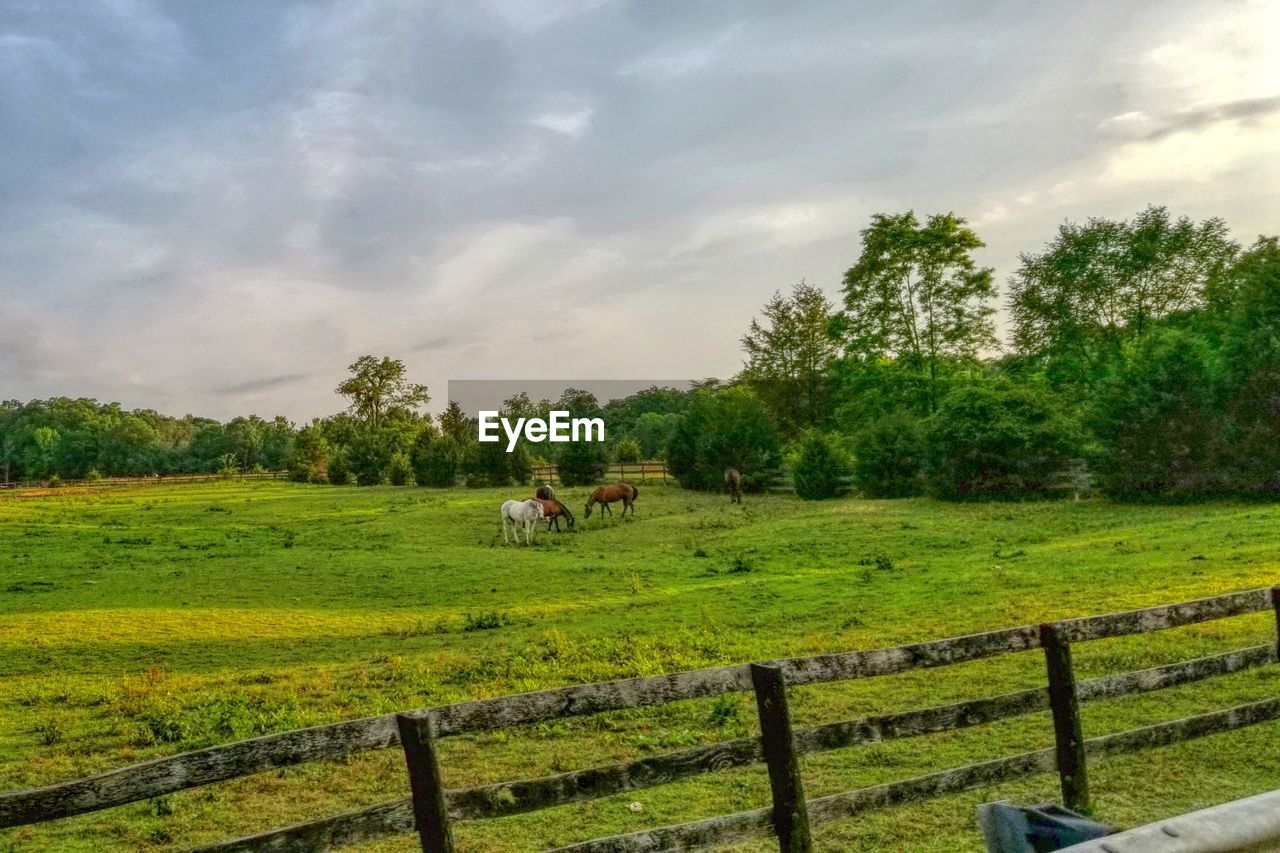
1036	829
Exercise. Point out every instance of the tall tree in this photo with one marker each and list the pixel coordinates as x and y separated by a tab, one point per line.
377	385
788	356
454	422
1099	284
916	295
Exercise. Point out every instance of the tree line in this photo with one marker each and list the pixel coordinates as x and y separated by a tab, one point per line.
1143	358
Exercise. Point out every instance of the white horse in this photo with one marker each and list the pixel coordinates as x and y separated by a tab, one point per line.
524	513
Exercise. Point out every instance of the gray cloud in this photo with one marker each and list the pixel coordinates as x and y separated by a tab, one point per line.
196	195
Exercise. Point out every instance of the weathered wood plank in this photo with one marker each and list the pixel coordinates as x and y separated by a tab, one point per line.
192	769
1166	616
873	662
1188	728
340	830
697	835
1169	675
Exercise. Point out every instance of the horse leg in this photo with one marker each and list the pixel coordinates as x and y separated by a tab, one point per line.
505	540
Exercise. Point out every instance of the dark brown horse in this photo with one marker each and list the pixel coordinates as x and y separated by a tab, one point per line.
733	482
546	493
553	511
606	495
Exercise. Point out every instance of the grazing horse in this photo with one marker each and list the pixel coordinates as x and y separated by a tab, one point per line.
606	495
545	493
553	510
523	513
733	482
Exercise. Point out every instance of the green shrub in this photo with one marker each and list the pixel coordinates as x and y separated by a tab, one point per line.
339	472
399	470
889	458
998	441
520	464
486	464
581	463
821	467
627	451
438	463
728	429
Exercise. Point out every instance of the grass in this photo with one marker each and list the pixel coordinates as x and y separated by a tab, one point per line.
144	621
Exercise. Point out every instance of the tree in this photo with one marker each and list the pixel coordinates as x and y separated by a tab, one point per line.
727	429
379	385
820	467
917	296
889	457
581	463
310	457
454	423
998	440
788	357
438	463
1102	283
627	450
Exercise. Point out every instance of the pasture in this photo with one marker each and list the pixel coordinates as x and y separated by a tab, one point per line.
144	621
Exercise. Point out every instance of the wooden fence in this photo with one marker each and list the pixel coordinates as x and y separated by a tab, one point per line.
432	809
654	471
155	480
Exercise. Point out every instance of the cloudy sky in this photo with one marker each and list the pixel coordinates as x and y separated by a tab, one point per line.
215	207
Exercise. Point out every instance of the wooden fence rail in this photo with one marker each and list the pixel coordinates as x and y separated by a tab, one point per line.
653	471
188	770
154	480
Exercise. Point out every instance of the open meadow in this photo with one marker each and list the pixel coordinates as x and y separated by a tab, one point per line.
144	621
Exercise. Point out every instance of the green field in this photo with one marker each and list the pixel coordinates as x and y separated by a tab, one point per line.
145	621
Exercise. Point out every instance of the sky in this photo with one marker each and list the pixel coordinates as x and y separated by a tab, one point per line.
216	207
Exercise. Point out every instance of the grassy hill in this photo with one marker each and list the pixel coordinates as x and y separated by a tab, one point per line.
144	621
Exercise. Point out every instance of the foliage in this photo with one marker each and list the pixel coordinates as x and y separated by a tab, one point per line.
627	450
788	357
378	386
1158	419
820	468
889	457
1100	284
486	463
723	429
310	457
581	463
399	469
916	295
998	440
339	472
437	462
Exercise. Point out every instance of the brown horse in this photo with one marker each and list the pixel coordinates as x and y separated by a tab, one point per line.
553	511
546	493
606	495
733	482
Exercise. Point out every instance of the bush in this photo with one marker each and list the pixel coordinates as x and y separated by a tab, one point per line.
339	473
889	458
581	463
627	451
368	459
1158	421
998	441
310	455
821	468
438	463
399	470
520	464
486	464
729	429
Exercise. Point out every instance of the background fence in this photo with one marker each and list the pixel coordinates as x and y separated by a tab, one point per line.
432	809
654	471
155	479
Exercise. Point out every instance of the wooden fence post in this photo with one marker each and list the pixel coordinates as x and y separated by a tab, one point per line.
1068	734
1275	605
430	812
790	814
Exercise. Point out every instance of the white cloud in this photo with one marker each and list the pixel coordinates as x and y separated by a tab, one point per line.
572	124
